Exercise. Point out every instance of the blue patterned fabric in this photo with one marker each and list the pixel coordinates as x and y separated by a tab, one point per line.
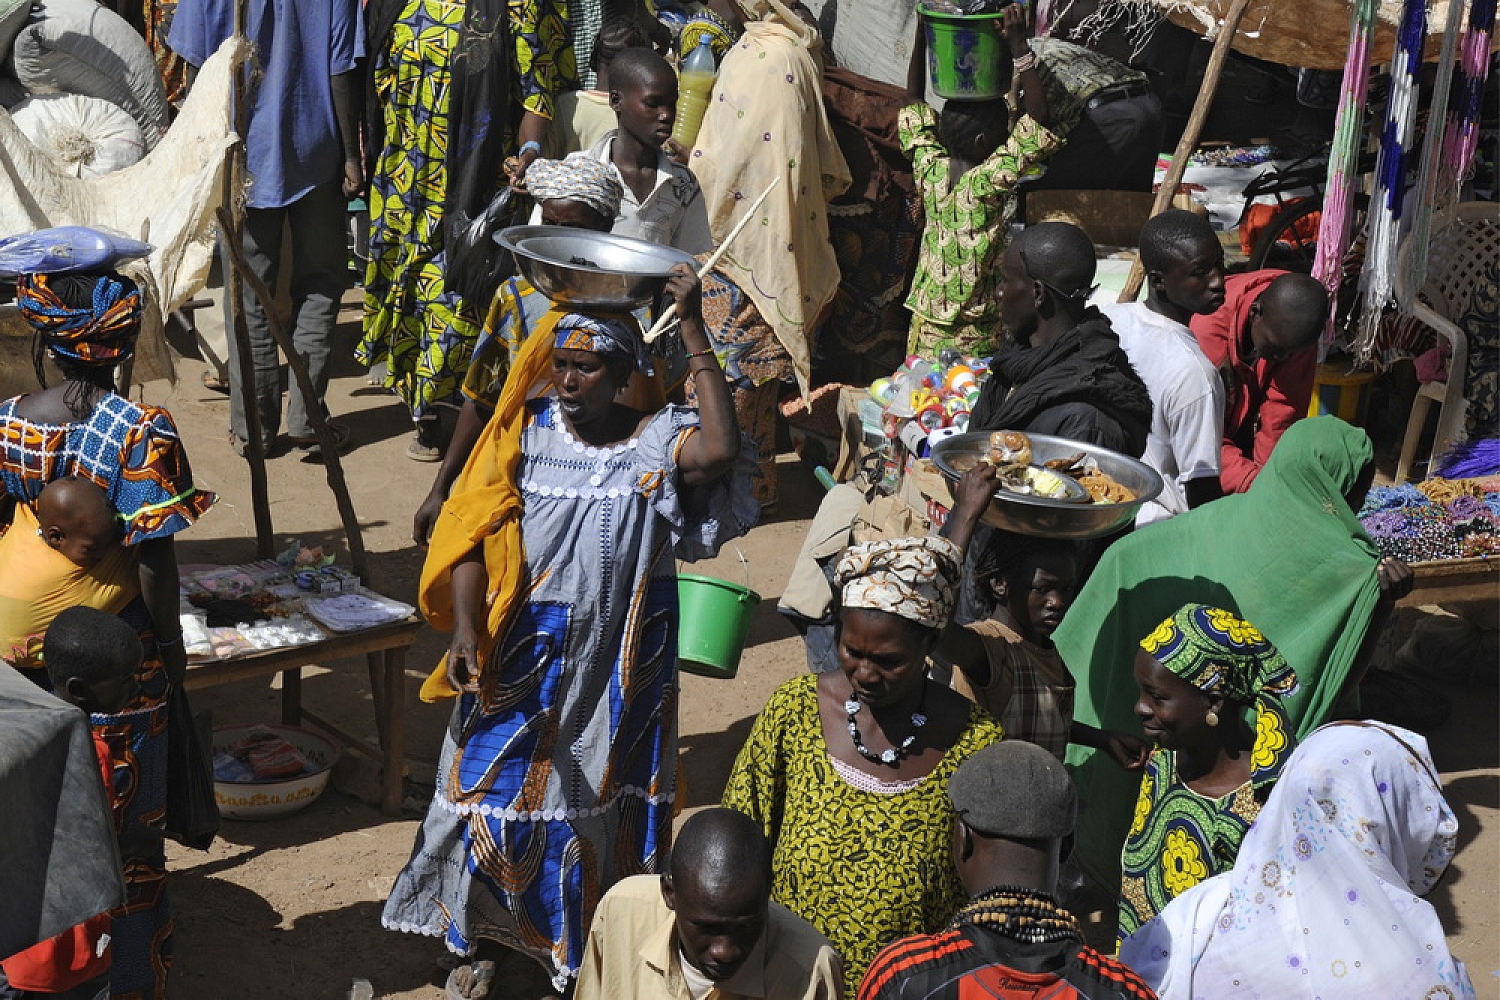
558	778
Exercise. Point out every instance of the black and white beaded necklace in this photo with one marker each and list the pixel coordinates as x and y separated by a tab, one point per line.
897	753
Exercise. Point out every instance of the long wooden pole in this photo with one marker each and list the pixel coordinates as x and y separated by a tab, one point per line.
332	466
1189	141
231	222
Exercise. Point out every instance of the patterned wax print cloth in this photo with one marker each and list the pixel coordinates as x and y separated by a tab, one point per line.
862	866
954	296
424	333
767	122
134	454
559	777
1325	898
911	577
755	365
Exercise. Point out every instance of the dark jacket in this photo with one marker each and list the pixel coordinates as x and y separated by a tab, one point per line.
1080	386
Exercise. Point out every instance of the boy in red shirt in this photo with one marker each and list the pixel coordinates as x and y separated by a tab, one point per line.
1262	341
92	658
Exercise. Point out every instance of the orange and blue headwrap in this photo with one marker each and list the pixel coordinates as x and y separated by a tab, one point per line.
103	332
607	335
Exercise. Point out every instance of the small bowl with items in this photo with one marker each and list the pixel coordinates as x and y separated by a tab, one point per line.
1051	486
588	270
267	771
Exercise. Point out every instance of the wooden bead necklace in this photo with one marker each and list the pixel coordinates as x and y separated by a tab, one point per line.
1023	914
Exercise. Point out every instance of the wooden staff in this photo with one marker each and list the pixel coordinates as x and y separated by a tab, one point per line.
665	320
333	467
1189	140
231	221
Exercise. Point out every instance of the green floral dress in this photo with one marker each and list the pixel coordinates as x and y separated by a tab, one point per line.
425	334
953	298
1179	838
863	867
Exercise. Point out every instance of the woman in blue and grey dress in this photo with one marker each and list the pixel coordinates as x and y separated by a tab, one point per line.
554	563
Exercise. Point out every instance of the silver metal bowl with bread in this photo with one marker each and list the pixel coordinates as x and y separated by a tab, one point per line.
1073	517
589	270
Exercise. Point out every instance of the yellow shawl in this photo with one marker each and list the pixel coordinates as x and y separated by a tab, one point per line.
484	507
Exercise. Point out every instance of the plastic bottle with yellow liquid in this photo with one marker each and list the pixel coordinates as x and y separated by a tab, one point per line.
695	88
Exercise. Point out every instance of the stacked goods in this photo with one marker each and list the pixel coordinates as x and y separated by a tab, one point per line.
1435	519
81	49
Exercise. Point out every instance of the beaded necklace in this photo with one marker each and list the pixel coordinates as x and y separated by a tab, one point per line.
1026	915
896	753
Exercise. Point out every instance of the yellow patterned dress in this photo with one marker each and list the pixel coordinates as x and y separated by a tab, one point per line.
425	334
863	867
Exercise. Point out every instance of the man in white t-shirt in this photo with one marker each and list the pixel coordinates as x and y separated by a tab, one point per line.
1185	276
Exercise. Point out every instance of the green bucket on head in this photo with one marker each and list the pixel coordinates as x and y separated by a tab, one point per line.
966	55
713	619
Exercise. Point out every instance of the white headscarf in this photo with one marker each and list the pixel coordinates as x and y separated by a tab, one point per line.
1324	899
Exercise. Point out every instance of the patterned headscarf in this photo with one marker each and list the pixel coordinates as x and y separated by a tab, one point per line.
1219	653
914	578
613	337
577	177
102	333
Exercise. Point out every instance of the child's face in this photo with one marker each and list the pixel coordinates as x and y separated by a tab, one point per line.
105	696
1195	280
1038	608
84	538
645	105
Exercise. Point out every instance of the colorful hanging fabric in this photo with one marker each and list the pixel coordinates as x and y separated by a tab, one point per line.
1348	135
1390	173
1461	134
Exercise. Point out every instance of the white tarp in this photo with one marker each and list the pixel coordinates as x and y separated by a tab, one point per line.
167	199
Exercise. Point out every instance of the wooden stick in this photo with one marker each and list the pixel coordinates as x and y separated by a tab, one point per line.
332	466
665	319
1189	140
231	217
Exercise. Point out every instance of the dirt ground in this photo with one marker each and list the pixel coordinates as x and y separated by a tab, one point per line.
291	908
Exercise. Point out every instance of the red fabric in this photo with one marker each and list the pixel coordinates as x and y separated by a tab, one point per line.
73	957
1264	399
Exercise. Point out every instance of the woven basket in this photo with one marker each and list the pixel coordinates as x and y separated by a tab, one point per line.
1311	33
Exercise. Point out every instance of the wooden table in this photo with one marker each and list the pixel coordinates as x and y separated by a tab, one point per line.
1441	581
385	651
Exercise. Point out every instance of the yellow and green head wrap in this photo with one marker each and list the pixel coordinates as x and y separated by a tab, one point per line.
1219	653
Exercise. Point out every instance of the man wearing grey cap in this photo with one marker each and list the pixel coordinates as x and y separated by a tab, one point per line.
1014	806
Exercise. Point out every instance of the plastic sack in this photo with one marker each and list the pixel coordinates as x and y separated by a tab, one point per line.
476	263
81	47
65	249
87	137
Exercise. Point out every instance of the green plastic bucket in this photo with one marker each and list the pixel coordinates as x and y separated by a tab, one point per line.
965	55
713	619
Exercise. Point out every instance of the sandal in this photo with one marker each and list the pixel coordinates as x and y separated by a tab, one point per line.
313	447
470	982
214	382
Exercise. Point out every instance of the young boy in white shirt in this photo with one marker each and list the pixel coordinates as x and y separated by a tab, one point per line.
1184	265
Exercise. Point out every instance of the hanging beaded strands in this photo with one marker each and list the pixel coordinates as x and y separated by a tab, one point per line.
1428	180
1334	231
1390	173
1461	134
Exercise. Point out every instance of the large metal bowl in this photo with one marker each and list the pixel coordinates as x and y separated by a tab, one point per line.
1032	515
589	270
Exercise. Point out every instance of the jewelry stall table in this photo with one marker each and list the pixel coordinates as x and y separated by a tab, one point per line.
384	648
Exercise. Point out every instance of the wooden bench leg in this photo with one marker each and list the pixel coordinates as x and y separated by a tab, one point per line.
291	697
391	720
375	663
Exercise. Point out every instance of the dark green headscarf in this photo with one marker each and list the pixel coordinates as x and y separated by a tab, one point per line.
1289	555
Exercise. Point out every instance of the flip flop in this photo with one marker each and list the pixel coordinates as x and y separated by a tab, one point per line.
213	382
470	982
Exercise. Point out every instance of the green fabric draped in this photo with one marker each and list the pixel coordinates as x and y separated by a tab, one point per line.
1289	555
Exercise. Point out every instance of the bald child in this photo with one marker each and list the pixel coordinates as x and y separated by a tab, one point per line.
74	517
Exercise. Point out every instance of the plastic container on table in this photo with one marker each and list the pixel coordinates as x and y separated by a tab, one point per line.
965	55
695	88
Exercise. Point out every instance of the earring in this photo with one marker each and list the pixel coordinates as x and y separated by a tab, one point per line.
1212	718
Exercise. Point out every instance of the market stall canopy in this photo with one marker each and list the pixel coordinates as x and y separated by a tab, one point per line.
1311	33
